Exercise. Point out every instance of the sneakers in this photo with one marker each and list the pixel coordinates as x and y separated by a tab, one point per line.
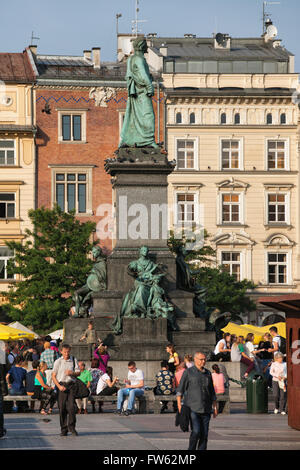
2	433
283	413
128	412
118	412
74	433
276	411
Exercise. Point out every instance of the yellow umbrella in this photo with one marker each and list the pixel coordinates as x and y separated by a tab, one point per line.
258	331
11	334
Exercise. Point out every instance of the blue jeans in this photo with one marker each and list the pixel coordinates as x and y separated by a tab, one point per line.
199	434
11	391
132	393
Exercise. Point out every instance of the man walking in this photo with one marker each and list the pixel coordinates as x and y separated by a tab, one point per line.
199	396
134	388
65	370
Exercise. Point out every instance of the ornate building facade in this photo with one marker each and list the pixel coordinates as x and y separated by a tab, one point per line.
80	106
17	154
232	126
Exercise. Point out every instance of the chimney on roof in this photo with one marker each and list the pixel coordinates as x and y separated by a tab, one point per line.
87	54
33	49
96	57
222	41
163	50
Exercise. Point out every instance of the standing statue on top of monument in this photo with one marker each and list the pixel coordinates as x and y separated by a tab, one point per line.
139	123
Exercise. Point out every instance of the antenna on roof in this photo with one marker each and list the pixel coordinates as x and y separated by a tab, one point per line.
33	37
266	16
135	23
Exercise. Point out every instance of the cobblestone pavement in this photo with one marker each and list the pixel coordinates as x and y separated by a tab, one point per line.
237	431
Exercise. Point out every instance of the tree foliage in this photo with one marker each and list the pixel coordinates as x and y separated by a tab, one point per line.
51	264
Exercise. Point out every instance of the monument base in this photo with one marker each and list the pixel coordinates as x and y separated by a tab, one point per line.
142	339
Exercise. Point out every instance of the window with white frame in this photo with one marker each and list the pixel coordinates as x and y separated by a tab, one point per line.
223	119
237	118
277	209
7	152
7	205
71	191
121	121
178	118
185	208
230	154
277	154
72	126
277	268
282	118
186	154
231	262
192	118
5	255
231	207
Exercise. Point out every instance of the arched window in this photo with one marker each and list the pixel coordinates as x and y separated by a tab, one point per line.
273	318
269	118
192	118
283	118
237	118
178	118
223	118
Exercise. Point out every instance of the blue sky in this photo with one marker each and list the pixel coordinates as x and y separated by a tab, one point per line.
70	26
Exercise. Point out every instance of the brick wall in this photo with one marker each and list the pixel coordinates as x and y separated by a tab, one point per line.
102	138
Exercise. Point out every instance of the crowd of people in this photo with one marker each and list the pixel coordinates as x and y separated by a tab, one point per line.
267	358
53	372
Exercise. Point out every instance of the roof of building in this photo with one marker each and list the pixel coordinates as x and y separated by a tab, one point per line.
76	67
203	48
15	67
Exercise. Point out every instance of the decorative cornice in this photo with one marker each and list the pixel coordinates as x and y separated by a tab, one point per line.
278	240
232	238
232	183
224	100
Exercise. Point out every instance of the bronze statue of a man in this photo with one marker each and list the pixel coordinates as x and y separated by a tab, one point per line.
96	281
139	123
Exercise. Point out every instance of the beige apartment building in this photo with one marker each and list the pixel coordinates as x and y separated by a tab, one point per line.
232	127
17	154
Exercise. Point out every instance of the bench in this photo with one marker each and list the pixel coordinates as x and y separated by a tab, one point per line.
222	399
142	401
19	398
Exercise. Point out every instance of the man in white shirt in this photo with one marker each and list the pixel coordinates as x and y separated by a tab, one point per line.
65	371
276	340
134	388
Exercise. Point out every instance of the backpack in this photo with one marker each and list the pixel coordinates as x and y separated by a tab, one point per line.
282	347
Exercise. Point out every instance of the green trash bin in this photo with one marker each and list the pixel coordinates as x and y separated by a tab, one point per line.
257	394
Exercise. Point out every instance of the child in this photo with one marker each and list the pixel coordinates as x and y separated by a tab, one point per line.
278	372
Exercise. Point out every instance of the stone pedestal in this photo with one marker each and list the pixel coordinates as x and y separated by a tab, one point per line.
139	181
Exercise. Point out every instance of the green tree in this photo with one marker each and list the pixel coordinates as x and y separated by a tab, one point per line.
223	290
52	263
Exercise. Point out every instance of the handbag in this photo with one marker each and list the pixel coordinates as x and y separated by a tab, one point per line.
80	389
